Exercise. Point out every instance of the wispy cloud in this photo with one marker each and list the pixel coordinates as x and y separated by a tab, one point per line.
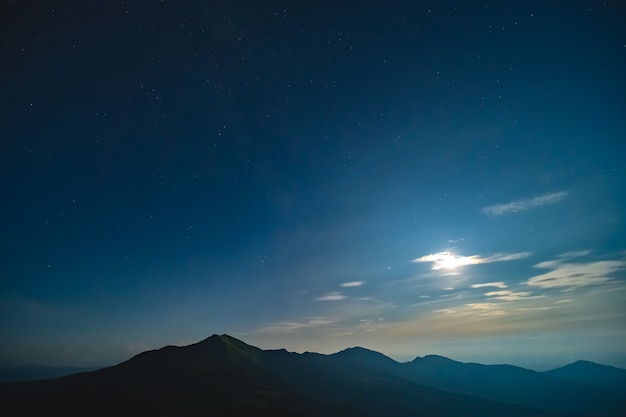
487	309
352	284
565	274
524	204
331	296
494	313
500	257
498	284
540	308
511	295
449	260
483	306
574	254
291	326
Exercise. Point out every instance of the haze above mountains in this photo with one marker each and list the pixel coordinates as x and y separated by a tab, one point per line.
224	376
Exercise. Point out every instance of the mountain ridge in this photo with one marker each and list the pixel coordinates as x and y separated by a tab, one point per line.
605	376
222	375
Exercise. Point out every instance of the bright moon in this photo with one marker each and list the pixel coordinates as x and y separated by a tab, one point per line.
448	260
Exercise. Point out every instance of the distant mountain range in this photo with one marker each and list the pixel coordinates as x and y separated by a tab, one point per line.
223	376
592	373
35	372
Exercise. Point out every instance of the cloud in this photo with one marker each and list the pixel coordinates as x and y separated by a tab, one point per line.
484	306
574	254
352	284
332	296
569	300
494	313
449	260
487	309
498	284
507	257
444	310
291	326
573	275
511	296
524	204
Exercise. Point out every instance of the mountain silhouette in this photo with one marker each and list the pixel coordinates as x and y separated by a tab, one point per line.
512	384
223	376
217	376
340	379
592	373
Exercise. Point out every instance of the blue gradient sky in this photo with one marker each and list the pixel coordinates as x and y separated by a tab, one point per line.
442	177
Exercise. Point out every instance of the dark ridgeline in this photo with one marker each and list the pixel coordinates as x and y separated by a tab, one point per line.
222	376
34	372
218	376
592	373
512	384
556	391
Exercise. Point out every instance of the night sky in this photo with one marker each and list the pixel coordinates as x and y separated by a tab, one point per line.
443	177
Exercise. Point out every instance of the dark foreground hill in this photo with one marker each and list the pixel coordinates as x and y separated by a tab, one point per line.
219	376
222	376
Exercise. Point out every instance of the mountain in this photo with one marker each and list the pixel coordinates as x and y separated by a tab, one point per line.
364	356
373	360
504	383
592	373
339	379
223	376
218	376
35	372
511	384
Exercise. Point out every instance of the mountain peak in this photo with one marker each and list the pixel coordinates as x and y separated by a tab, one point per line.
590	372
227	343
215	337
222	338
434	359
360	352
358	349
584	363
363	356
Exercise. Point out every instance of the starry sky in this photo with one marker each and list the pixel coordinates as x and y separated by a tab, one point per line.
432	177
